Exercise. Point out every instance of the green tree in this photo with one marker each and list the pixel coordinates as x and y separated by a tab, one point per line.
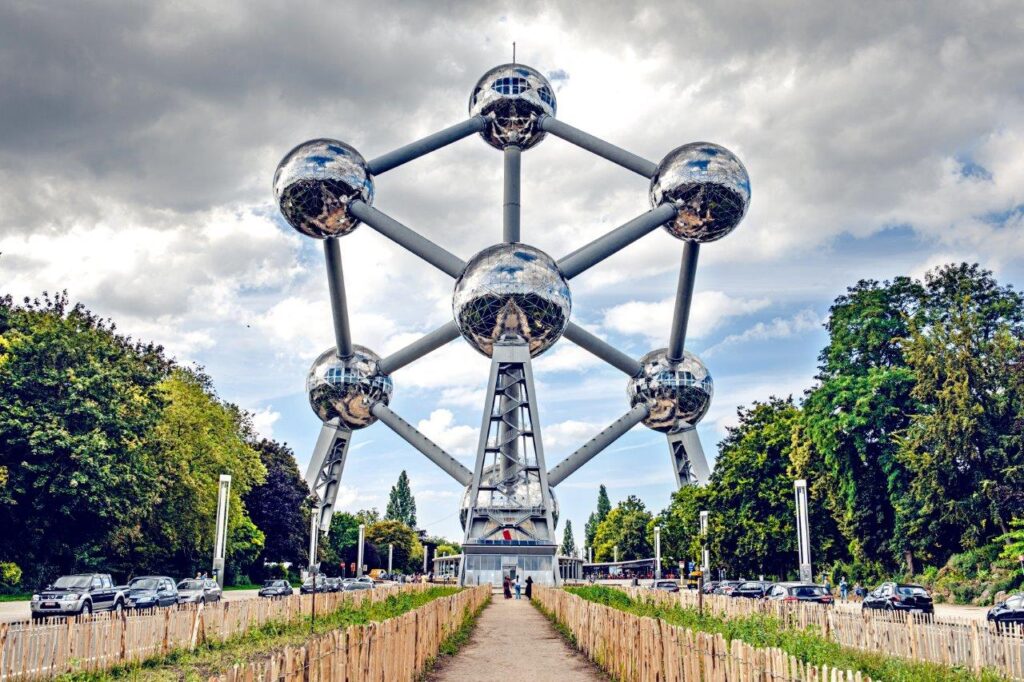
339	544
680	524
77	401
401	536
280	507
851	418
963	446
568	547
604	505
401	503
197	439
624	527
750	496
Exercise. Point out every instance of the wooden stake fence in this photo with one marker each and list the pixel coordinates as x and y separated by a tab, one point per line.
636	649
388	651
53	647
965	642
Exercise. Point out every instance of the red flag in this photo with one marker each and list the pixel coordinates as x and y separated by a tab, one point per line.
506	534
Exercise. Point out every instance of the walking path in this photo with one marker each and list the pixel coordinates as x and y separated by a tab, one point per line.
514	641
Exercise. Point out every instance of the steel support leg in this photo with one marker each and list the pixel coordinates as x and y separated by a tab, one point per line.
684	297
339	304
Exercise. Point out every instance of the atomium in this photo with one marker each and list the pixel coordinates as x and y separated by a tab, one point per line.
709	186
675	393
314	184
511	302
513	98
347	388
511	292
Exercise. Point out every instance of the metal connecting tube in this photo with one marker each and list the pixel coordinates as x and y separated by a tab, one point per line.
602	349
612	433
684	296
510	208
441	259
428	144
339	305
449	331
410	435
596	145
616	240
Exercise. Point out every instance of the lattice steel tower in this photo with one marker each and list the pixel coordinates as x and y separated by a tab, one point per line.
511	302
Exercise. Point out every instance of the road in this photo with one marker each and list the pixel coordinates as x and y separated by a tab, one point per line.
13	611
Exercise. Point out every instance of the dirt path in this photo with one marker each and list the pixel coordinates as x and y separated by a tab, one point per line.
513	641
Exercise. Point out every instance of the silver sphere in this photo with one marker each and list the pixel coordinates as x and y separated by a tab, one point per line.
520	494
709	186
314	184
675	393
346	389
513	97
510	292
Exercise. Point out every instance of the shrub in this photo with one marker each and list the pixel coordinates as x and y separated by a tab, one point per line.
10	576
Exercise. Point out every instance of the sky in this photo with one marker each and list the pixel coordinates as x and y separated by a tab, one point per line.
138	142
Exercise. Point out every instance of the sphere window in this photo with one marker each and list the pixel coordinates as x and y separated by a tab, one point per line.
511	86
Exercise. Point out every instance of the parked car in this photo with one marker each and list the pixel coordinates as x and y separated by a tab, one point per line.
77	595
199	591
794	592
276	588
321	585
1009	612
752	589
709	587
334	585
899	597
358	585
151	591
726	587
665	585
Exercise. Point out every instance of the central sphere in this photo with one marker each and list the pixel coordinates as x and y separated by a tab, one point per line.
314	184
674	392
347	388
511	292
513	97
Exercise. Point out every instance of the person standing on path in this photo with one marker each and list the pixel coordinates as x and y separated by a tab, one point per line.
529	587
844	587
506	587
519	588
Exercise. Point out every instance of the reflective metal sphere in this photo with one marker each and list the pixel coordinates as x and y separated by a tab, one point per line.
511	291
513	97
709	186
673	392
522	494
314	184
347	389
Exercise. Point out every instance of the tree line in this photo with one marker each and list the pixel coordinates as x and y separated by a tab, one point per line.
110	454
910	438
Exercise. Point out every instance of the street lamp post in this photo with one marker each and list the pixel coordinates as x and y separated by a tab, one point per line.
221	531
391	555
359	553
705	554
803	532
657	552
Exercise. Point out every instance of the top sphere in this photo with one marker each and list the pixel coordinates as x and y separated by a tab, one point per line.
513	97
314	184
674	392
347	388
709	186
511	291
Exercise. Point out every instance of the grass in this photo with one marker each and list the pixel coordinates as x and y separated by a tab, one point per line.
454	642
214	657
18	596
806	644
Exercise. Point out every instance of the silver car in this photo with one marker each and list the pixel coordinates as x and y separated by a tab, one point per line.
199	591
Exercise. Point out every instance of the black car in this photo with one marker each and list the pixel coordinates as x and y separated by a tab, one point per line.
151	591
899	597
752	589
794	592
276	588
1009	612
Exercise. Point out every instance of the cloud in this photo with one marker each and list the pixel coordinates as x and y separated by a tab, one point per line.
569	435
458	440
777	328
263	421
654	320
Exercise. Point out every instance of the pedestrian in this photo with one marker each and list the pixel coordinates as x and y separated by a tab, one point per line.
828	587
529	587
844	588
506	587
519	589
